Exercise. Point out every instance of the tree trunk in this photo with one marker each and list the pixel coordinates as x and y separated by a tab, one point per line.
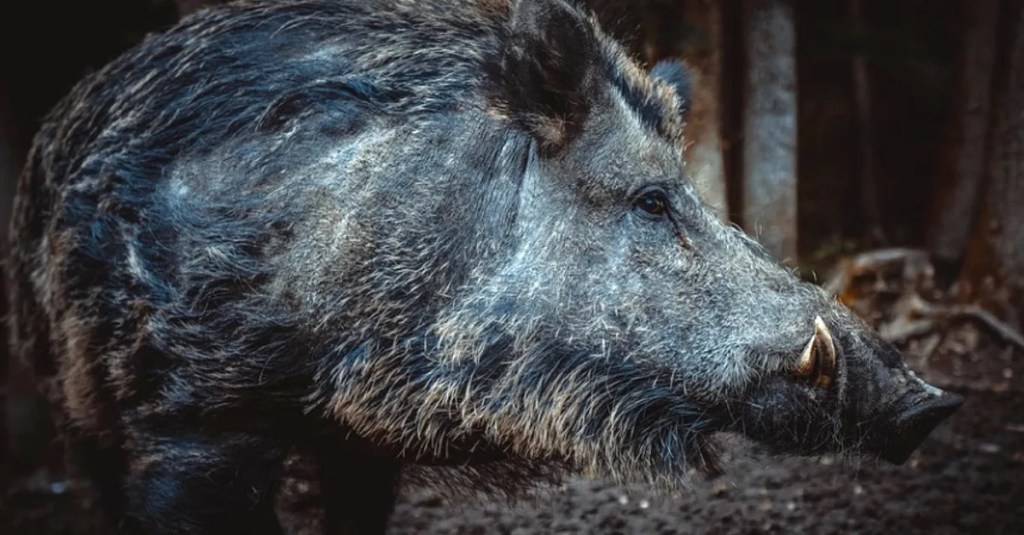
705	163
994	272
769	126
958	197
865	143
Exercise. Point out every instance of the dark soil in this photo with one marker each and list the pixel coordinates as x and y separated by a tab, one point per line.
967	478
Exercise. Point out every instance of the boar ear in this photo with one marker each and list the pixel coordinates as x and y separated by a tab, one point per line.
538	78
675	74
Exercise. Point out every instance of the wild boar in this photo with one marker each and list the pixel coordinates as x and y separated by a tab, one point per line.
397	234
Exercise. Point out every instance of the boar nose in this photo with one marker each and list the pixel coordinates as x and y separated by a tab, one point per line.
914	420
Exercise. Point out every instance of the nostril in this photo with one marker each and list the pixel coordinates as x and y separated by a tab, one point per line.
913	423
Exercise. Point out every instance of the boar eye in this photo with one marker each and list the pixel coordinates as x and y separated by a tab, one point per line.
652	203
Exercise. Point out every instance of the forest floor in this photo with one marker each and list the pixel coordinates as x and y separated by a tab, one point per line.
968	477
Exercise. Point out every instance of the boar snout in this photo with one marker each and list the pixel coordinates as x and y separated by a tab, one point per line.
897	409
845	390
913	420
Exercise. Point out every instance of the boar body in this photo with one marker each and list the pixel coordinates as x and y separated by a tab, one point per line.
394	234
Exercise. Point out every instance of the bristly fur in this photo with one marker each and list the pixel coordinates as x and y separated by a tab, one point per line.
540	77
148	270
405	237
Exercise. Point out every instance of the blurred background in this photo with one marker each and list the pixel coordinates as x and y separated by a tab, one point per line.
877	146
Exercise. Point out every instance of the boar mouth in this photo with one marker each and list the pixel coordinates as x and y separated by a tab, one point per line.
851	393
901	430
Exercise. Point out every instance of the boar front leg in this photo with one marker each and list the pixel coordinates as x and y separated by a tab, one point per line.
210	484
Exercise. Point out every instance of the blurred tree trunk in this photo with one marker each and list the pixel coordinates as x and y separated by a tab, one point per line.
994	270
705	163
865	141
769	125
958	196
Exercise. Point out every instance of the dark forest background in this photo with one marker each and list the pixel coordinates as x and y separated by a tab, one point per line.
848	135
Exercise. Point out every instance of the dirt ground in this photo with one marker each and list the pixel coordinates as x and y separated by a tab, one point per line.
967	478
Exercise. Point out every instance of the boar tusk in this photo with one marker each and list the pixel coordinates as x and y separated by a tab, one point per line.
806	365
826	350
818	359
